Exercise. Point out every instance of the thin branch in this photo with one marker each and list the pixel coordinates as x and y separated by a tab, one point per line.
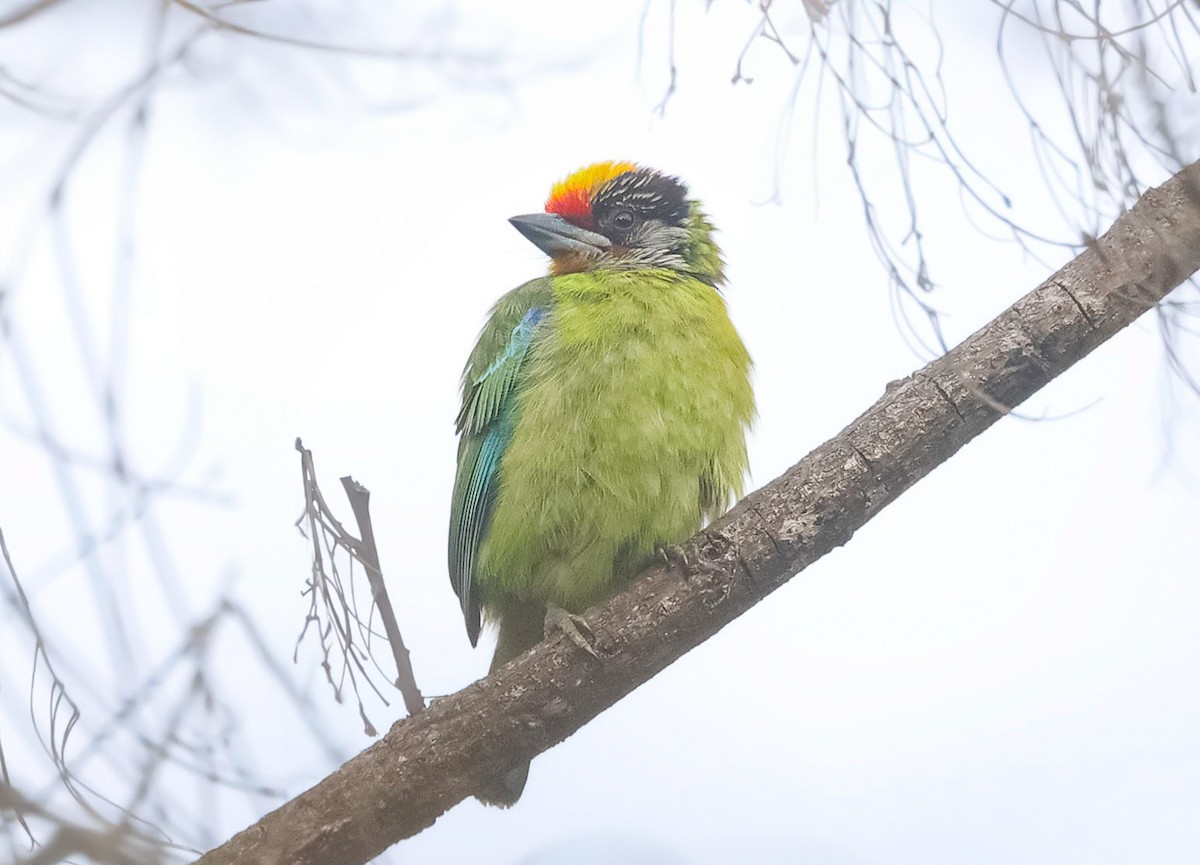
113	846
406	682
333	608
24	13
661	109
429	762
1122	81
417	52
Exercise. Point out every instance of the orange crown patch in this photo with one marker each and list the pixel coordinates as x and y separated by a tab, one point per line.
571	197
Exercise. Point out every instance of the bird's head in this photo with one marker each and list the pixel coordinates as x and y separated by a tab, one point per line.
620	216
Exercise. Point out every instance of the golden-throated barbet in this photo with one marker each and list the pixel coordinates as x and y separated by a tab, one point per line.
604	411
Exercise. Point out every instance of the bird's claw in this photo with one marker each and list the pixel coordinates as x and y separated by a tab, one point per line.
673	557
575	627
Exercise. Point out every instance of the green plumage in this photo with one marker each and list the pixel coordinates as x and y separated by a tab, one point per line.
603	418
628	430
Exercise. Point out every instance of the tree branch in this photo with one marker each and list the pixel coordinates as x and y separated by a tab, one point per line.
406	682
429	762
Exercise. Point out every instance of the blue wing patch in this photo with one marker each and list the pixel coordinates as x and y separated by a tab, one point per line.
486	422
488	390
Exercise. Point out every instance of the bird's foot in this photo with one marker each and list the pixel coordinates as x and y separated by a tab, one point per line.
575	627
674	557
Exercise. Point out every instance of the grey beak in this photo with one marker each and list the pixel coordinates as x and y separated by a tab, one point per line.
555	236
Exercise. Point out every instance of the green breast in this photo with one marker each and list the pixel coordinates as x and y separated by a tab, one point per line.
630	424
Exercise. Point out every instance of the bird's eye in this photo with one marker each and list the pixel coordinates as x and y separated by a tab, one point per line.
621	219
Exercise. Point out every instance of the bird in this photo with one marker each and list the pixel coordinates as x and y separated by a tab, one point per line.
604	413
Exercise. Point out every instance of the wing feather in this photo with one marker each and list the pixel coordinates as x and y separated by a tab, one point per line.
485	423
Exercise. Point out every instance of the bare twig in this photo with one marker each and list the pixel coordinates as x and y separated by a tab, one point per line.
418	51
406	683
24	13
111	846
1125	80
333	609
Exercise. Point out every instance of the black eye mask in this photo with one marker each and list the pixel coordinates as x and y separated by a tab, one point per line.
632	198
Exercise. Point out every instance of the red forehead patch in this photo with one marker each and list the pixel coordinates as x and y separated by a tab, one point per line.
573	205
571	197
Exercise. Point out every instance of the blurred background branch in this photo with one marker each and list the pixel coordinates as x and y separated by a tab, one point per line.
1122	73
142	722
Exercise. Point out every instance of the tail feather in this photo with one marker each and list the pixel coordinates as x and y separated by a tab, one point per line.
503	792
521	628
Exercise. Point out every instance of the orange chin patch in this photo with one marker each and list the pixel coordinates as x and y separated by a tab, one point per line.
570	262
571	197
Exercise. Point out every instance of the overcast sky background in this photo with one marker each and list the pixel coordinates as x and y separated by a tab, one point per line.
1002	667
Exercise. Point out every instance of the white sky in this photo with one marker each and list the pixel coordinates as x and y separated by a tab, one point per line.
1000	668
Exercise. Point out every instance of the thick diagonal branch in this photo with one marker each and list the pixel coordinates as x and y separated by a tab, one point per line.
429	762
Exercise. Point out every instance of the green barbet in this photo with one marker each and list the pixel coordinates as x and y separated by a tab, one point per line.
604	412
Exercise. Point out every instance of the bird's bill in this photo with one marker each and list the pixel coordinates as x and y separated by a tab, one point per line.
555	236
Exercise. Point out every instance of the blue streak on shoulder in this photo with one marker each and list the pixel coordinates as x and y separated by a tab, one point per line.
518	342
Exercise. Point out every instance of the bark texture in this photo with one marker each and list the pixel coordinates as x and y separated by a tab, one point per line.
427	763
